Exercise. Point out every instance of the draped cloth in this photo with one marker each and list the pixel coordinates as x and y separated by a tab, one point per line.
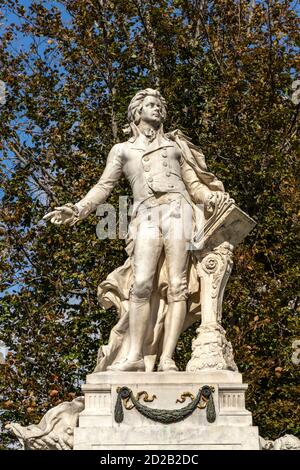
115	290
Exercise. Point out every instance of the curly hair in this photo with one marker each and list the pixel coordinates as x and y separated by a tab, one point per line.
136	104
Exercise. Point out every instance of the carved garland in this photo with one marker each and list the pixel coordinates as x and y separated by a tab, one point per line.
203	399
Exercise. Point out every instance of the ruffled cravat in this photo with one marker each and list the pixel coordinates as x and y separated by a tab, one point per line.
150	133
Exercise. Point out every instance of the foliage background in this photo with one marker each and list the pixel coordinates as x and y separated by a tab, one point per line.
226	69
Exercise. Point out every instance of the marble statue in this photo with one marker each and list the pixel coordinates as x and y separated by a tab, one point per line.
55	431
183	229
180	241
286	442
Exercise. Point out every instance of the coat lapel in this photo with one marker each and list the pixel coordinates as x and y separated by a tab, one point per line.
157	144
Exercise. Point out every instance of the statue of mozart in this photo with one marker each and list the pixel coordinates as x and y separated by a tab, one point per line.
157	292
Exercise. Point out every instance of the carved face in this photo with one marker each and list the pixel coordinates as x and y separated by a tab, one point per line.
151	111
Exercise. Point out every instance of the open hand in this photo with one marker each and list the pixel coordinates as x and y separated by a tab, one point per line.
62	215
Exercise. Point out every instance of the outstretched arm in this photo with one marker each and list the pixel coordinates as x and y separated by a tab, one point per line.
70	213
100	192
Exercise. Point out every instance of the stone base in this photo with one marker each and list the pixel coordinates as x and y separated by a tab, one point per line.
211	350
232	428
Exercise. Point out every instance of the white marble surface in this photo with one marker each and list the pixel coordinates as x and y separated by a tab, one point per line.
164	437
232	428
201	377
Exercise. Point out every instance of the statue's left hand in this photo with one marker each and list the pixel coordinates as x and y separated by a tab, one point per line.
213	200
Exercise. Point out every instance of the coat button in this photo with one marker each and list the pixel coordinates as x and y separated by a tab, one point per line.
164	155
165	164
168	174
146	159
150	179
147	168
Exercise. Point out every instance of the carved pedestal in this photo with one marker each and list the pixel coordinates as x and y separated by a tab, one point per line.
166	415
210	349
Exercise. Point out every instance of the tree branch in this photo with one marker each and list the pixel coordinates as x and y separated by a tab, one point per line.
151	39
41	183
